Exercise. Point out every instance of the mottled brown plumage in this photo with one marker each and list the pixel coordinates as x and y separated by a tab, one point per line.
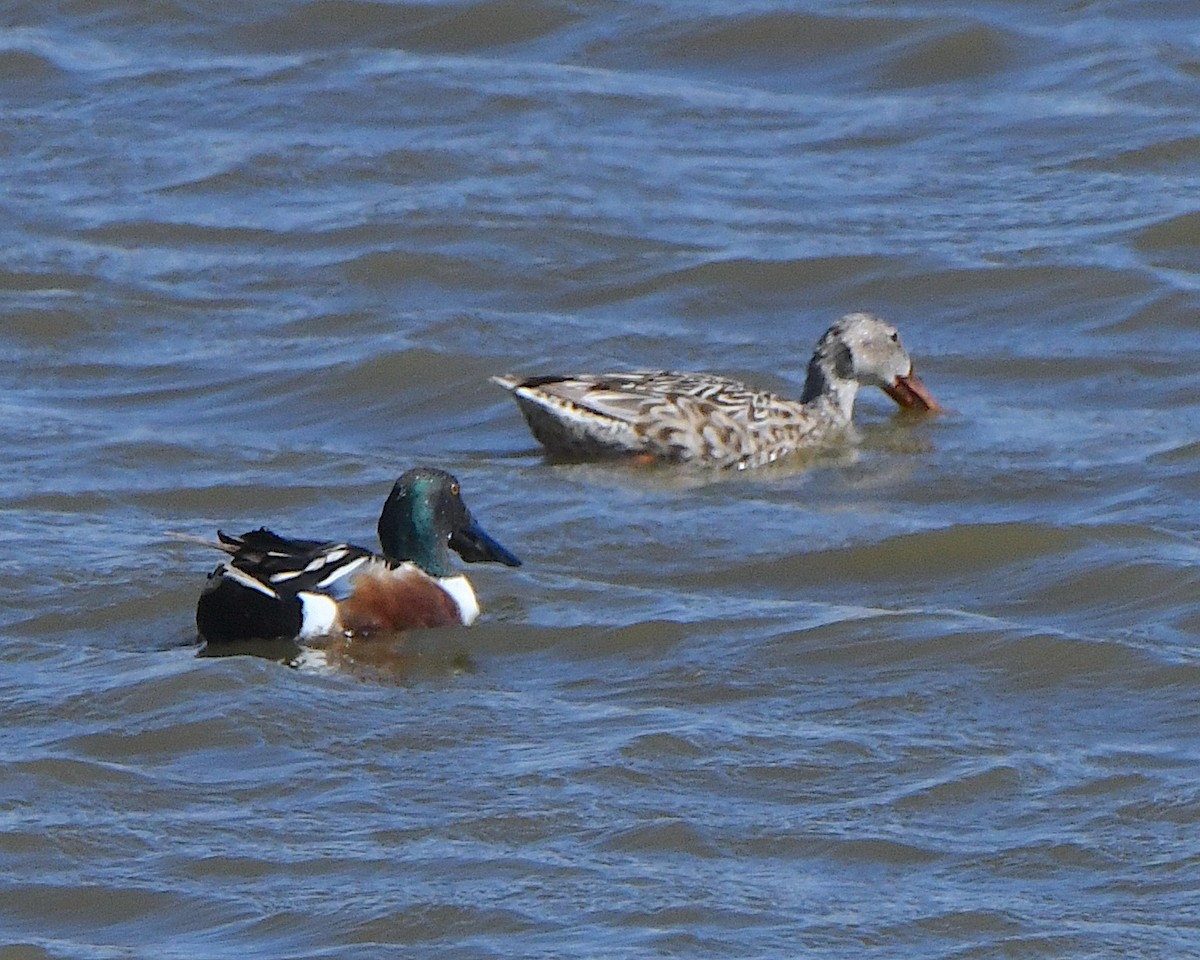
708	419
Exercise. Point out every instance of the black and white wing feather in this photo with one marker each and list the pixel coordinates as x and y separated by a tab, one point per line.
295	566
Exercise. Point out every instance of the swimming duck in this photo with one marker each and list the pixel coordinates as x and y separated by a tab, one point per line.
706	419
301	589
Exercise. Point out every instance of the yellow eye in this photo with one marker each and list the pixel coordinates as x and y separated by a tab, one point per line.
454	489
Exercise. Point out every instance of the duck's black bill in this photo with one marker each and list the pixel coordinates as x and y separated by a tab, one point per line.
474	545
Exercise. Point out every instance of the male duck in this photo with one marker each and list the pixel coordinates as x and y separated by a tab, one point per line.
301	589
710	420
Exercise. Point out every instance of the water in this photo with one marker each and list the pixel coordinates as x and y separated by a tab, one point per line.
933	696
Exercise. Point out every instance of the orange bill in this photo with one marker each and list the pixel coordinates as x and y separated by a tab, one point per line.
912	394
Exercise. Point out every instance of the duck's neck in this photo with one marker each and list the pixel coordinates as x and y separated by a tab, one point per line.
414	538
829	396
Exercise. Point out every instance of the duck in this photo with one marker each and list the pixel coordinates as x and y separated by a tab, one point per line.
710	420
278	587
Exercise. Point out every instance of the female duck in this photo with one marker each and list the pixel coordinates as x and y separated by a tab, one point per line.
301	589
710	420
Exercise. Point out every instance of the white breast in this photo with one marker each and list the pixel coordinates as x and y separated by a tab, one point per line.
460	589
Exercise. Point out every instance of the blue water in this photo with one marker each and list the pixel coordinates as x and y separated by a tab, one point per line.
931	695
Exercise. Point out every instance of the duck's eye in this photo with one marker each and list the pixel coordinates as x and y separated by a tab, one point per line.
895	338
454	489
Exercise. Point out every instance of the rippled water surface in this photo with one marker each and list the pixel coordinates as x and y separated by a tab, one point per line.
935	695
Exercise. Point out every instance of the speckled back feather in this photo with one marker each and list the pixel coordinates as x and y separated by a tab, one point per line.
706	418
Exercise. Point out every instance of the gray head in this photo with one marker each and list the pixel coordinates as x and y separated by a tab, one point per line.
862	349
